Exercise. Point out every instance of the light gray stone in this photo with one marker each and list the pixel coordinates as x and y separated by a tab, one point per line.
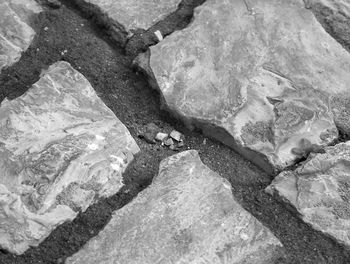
320	191
61	148
16	33
176	135
261	76
131	15
187	215
161	136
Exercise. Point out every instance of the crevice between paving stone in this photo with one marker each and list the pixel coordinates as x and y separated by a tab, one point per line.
247	181
14	81
141	39
114	30
341	139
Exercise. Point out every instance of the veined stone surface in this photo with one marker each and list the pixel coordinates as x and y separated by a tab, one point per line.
334	16
320	191
261	76
15	31
60	149
134	14
187	215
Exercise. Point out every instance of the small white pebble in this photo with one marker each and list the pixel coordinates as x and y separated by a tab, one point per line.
161	136
46	28
176	135
159	35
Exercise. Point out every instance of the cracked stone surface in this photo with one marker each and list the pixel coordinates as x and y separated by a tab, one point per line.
261	76
60	149
187	215
131	15
16	34
334	16
320	191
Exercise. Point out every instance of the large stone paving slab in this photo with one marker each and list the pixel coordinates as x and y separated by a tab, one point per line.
61	148
16	33
320	191
130	15
187	215
261	76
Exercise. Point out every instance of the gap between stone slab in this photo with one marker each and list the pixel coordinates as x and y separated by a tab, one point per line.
341	139
112	29
141	39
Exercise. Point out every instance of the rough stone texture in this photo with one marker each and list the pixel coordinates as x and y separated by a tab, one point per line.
188	215
320	191
334	15
16	33
60	149
130	15
261	76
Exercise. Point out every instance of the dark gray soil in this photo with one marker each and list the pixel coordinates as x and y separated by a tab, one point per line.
108	67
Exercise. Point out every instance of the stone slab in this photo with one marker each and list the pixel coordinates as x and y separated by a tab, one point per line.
261	76
131	15
61	149
16	34
320	191
187	215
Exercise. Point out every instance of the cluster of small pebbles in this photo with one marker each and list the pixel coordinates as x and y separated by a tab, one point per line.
153	134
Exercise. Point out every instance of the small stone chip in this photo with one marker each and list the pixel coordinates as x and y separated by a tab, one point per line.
169	142
158	35
161	136
176	135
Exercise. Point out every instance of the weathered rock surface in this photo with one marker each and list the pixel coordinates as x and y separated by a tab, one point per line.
261	76
16	33
188	215
130	15
60	149
320	191
334	15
